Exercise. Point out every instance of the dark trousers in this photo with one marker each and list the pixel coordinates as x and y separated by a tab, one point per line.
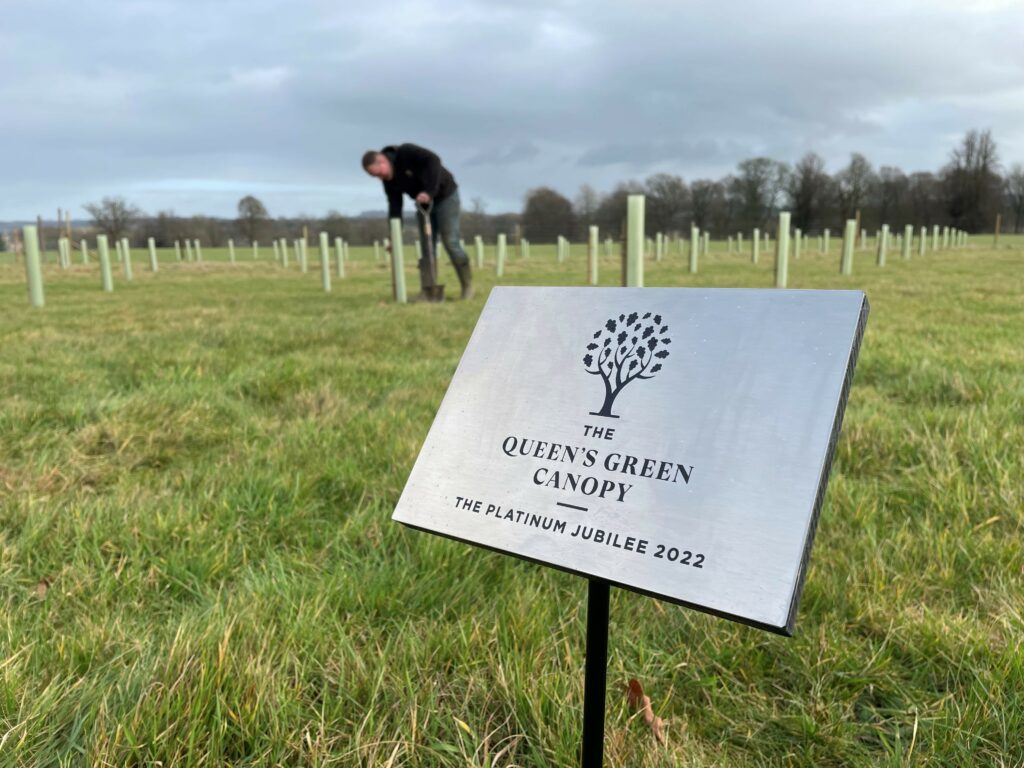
444	223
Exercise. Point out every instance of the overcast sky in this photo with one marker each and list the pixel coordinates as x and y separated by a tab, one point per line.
191	104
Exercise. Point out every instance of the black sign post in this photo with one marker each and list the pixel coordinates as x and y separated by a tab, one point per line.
595	681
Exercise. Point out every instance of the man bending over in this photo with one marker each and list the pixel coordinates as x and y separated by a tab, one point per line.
417	172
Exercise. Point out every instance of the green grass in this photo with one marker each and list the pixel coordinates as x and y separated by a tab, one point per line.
197	563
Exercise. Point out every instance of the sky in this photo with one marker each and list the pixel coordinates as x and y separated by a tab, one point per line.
189	105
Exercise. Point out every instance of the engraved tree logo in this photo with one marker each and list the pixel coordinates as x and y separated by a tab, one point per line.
623	351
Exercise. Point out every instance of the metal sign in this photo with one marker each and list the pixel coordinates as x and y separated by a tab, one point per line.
672	441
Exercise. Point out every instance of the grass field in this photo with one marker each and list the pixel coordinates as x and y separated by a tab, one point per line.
197	565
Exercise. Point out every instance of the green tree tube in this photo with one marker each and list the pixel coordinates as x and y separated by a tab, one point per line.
782	251
397	262
105	272
325	263
33	266
635	241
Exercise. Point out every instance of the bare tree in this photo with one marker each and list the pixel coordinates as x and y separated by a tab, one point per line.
924	198
892	195
586	202
475	220
113	216
168	227
1015	195
971	181
854	185
209	230
611	213
252	217
755	190
808	191
335	225
667	204
707	203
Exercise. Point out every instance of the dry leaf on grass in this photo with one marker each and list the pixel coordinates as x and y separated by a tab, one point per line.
639	701
42	588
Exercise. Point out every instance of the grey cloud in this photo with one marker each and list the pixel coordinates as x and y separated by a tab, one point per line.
127	97
647	154
505	155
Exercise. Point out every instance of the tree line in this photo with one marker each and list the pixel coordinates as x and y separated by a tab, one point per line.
967	192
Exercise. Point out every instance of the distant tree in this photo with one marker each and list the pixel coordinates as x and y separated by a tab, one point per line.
335	225
807	190
504	223
475	221
893	189
971	181
667	205
611	213
707	204
728	218
289	228
755	190
854	186
168	227
546	215
252	217
585	207
113	216
303	225
363	231
1015	195
208	230
923	192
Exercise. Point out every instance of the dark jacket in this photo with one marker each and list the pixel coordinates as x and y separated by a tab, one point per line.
415	170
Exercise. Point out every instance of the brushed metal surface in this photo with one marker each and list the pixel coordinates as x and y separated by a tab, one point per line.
739	426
